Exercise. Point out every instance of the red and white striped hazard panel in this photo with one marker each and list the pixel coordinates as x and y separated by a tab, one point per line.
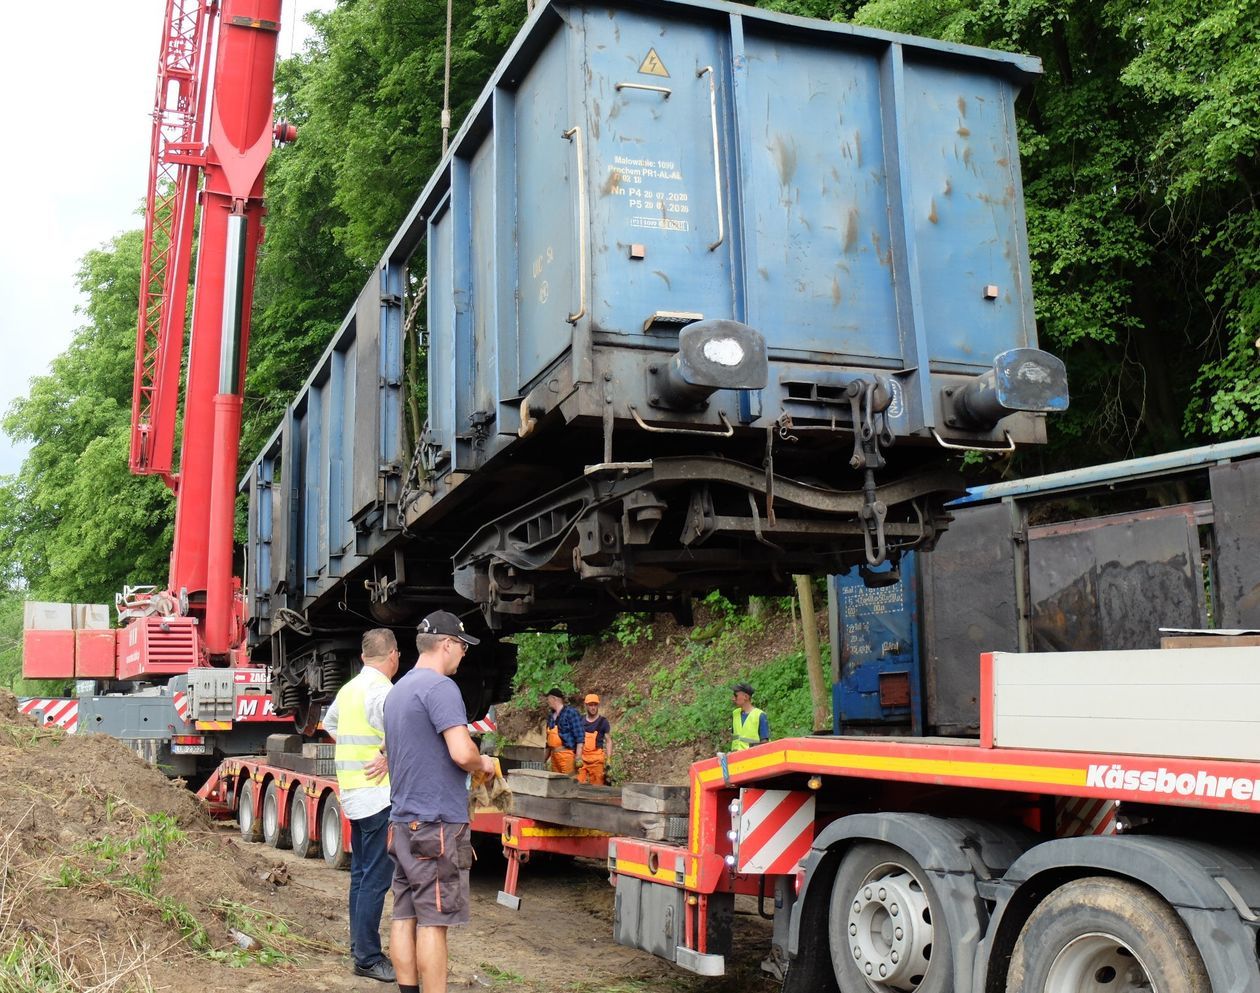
482	727
1078	816
776	828
61	713
182	706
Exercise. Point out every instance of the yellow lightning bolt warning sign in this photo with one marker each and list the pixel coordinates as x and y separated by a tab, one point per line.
652	65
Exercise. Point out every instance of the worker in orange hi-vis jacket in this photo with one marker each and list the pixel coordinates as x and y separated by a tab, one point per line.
596	744
564	734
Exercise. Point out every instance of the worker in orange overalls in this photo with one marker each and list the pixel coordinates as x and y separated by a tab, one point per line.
564	733
596	743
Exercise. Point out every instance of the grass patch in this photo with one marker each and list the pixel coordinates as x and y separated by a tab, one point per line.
34	956
628	986
26	736
133	866
271	938
501	977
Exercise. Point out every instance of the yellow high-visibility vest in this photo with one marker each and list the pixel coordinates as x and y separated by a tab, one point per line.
745	729
358	743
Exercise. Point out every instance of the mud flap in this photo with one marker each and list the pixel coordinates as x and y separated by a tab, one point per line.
651	916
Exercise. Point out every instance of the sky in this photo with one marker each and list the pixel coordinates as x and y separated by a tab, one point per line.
76	99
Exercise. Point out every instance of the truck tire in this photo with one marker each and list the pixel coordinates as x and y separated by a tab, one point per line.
886	928
304	846
1103	933
251	829
273	802
331	843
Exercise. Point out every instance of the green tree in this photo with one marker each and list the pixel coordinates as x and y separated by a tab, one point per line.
74	524
11	639
1201	64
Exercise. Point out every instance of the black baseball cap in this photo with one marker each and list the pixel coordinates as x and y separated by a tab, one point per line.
742	688
444	622
556	692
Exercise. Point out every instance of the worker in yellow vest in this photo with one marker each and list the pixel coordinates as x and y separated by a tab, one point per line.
356	721
749	726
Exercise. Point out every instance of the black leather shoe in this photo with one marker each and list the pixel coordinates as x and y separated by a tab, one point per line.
382	970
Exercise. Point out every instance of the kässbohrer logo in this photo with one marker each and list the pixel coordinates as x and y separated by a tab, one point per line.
1168	783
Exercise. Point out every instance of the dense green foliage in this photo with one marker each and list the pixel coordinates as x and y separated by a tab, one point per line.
1139	155
75	525
74	520
686	699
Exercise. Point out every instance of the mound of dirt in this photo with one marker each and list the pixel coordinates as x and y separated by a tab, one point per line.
112	877
9	710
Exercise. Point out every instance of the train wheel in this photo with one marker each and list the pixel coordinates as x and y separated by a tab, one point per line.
886	927
273	834
304	846
331	843
251	830
1105	934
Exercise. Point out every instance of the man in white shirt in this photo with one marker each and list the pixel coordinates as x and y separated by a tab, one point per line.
356	721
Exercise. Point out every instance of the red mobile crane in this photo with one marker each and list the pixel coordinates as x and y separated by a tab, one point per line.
212	134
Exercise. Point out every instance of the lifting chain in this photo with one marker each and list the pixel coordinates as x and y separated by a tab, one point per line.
410	491
421	292
412	479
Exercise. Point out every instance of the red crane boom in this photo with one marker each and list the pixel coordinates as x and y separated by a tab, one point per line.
215	162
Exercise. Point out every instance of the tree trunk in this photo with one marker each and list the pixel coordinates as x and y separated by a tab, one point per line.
813	657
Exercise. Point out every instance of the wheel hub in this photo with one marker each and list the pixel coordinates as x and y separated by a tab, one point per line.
1098	963
330	826
890	930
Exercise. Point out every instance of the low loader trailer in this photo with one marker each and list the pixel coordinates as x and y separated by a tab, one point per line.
1100	835
290	799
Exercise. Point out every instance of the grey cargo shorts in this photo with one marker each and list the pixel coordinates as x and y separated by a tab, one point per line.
431	863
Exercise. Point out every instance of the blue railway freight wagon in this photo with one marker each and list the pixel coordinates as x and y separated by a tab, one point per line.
708	295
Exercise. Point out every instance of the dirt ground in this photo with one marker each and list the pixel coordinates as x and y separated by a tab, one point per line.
113	879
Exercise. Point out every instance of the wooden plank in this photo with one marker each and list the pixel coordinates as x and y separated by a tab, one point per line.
1210	641
599	794
537	782
280	744
655	798
589	814
522	753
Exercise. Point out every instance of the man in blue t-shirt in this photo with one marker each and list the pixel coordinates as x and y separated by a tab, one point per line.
430	753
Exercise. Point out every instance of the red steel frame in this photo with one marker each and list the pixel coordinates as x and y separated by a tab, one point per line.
237	136
957	763
522	836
